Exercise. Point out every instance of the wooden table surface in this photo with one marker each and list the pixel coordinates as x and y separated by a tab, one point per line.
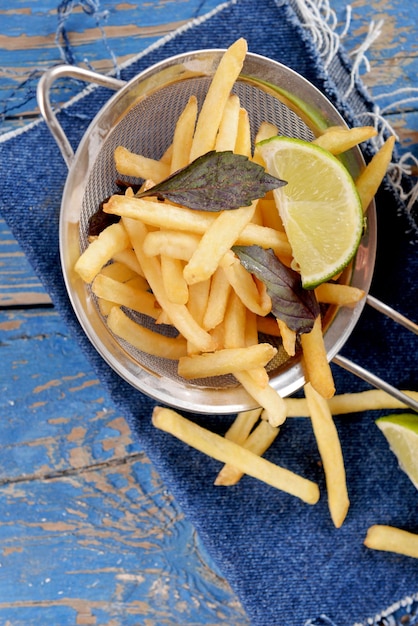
89	534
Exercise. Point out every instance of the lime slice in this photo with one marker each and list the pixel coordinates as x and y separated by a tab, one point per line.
320	207
401	432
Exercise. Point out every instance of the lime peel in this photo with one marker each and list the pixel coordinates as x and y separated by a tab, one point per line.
401	432
320	206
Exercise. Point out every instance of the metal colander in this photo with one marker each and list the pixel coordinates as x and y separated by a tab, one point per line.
141	116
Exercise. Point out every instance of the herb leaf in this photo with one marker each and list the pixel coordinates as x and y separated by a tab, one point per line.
216	181
293	304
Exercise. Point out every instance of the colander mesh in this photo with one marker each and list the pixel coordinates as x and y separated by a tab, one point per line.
141	130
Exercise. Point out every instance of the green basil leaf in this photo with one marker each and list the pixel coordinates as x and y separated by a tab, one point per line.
216	181
296	306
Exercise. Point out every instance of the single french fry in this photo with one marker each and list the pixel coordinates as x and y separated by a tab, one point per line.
243	141
226	361
235	320
183	136
167	155
125	294
139	166
317	368
178	314
265	131
168	216
118	271
220	290
175	218
329	447
143	338
267	397
371	177
174	284
258	442
197	305
218	93
174	243
128	258
105	306
345	403
338	139
251	329
271	216
288	337
111	240
226	451
228	127
243	425
392	539
265	237
336	293
268	325
244	285
215	242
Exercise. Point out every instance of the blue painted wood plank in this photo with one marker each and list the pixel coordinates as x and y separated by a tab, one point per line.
112	32
18	283
89	533
87	528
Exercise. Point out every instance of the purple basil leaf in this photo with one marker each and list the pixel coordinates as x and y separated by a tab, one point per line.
296	306
216	181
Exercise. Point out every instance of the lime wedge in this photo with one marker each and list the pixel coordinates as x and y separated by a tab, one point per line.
320	207
401	432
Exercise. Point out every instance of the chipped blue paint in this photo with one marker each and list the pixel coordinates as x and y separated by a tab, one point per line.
88	532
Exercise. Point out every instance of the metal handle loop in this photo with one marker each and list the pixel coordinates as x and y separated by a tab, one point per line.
44	102
370	378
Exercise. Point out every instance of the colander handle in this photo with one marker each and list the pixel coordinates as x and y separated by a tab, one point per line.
370	378
44	102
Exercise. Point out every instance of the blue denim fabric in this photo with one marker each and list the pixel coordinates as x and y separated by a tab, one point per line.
283	558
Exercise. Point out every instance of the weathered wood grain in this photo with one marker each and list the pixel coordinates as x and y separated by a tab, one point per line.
88	532
18	284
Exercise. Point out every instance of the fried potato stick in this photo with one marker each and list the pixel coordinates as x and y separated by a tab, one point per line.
265	396
337	139
228	127
126	294
143	338
183	136
370	400
336	293
259	441
220	290
225	361
139	166
317	369
243	425
391	539
174	243
111	240
178	313
215	243
218	93
329	447
226	451
371	177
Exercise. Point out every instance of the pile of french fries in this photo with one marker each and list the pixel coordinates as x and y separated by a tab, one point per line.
177	267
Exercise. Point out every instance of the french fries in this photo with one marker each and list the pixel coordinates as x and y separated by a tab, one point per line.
331	455
317	369
227	451
337	139
391	539
177	267
371	177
